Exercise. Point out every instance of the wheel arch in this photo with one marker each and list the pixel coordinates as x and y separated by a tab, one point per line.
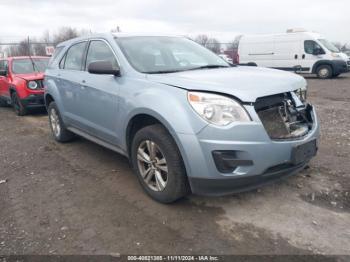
142	119
12	89
149	118
320	63
48	99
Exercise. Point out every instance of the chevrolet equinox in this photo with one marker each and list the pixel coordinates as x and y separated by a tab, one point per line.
188	121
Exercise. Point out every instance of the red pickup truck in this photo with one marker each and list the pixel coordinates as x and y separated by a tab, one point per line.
21	82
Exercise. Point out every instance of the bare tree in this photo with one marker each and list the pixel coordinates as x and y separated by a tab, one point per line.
211	43
21	49
37	46
64	34
202	39
214	45
340	46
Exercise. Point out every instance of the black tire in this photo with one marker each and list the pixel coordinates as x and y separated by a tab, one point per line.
2	103
177	184
63	135
18	107
252	64
324	72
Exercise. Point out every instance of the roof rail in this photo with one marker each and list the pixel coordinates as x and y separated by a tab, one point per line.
296	30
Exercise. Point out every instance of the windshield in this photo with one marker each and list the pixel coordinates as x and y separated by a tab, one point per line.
152	54
329	45
28	66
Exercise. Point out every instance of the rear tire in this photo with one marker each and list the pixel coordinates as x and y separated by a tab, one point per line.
59	131
324	72
158	164
18	107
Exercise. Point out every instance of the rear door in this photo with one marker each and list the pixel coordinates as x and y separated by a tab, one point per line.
70	77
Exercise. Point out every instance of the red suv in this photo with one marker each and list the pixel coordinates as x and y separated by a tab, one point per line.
21	82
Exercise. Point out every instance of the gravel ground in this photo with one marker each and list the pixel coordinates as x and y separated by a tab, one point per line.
80	198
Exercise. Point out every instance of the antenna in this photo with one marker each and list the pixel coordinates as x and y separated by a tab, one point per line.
30	57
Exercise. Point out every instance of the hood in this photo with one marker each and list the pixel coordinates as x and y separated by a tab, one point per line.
244	82
32	76
343	56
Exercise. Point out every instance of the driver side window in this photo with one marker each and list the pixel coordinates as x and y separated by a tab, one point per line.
100	51
310	46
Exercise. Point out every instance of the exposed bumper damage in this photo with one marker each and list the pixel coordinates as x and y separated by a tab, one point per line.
284	116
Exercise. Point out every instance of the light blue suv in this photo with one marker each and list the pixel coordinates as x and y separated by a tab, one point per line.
187	120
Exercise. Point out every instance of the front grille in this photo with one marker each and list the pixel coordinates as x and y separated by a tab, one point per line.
281	118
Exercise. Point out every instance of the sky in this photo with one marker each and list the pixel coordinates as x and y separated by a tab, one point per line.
223	19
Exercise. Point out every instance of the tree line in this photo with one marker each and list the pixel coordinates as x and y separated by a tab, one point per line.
36	46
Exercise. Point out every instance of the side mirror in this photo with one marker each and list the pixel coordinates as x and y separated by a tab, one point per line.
3	72
103	68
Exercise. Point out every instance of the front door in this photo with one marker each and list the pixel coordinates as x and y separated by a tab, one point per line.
4	88
98	97
308	58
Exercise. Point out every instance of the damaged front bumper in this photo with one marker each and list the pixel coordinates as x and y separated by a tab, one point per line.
242	156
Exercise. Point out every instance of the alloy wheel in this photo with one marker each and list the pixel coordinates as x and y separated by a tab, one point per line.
55	122
324	72
152	165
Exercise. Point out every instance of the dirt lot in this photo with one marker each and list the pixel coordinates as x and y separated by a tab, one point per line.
80	198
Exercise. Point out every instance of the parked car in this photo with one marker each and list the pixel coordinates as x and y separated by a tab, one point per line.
209	129
226	58
21	82
296	50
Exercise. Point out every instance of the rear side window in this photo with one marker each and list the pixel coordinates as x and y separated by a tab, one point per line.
74	57
310	46
100	51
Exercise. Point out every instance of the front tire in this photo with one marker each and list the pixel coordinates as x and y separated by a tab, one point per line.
324	72
59	131
18	107
158	164
2	103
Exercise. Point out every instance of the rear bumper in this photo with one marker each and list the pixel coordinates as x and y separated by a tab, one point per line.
225	186
33	100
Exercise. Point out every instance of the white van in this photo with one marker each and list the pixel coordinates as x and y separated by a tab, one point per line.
296	50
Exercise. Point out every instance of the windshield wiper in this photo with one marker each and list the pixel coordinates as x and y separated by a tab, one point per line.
208	67
163	72
187	69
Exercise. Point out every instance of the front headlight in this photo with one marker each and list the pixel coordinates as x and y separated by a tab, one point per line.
32	85
335	55
302	93
216	109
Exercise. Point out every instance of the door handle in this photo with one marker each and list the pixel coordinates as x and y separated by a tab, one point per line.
84	82
296	57
303	56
